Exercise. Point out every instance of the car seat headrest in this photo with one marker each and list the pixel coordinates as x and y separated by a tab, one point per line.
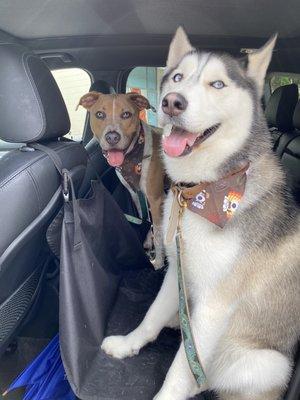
280	108
102	87
31	106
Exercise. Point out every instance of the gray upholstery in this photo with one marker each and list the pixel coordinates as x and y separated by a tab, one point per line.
296	116
31	105
31	109
280	108
101	17
291	154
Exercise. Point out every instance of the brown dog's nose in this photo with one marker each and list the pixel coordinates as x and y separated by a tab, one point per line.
173	104
112	137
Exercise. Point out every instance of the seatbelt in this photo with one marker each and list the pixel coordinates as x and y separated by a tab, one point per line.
58	165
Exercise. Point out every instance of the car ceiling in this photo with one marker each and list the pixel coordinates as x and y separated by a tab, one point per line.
120	34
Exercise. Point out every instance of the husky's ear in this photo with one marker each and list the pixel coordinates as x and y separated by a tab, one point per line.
258	63
179	46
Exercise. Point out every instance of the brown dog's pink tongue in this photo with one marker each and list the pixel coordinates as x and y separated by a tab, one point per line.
175	144
115	158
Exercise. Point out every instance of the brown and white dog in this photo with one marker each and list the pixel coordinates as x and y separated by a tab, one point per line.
132	147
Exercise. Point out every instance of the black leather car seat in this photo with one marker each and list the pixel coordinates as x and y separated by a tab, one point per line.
279	111
31	110
290	157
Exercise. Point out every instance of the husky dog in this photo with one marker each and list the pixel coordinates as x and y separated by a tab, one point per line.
243	280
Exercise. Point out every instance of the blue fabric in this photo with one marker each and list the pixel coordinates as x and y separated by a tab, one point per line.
45	377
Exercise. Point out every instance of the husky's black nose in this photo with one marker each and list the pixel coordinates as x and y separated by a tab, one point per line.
112	137
173	104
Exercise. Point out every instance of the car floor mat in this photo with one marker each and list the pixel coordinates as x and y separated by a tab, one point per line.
139	377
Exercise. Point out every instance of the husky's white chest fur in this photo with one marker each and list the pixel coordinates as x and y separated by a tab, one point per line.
208	255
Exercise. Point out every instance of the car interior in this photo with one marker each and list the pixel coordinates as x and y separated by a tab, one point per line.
107	40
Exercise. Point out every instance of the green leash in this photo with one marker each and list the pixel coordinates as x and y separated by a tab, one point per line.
184	318
144	210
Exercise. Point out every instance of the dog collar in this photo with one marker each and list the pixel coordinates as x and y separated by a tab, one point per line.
215	201
131	169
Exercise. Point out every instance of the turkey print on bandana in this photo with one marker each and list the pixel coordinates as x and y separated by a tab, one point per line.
218	201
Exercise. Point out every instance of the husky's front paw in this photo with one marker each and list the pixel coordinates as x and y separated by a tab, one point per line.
120	346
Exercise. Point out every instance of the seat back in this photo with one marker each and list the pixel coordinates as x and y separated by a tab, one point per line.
31	110
291	154
279	111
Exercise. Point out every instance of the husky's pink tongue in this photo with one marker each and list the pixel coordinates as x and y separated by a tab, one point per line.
115	158
175	144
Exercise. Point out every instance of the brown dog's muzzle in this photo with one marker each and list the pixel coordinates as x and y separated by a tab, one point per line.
112	137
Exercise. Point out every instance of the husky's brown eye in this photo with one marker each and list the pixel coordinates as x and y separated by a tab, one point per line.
217	84
177	77
126	115
100	115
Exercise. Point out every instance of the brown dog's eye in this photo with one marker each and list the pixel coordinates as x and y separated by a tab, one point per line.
177	77
126	115
100	115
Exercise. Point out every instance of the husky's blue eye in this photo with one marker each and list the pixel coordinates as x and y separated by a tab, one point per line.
177	77
218	84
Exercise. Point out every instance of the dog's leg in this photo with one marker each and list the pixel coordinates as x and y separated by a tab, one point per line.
179	383
159	248
156	211
251	372
163	309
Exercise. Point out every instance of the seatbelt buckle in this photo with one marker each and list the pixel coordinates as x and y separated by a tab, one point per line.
65	185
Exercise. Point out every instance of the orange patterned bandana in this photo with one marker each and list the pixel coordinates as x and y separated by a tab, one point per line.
217	201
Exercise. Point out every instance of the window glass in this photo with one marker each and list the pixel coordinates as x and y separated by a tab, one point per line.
73	83
146	81
282	79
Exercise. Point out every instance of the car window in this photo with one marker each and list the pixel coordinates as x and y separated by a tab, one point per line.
73	83
282	79
146	81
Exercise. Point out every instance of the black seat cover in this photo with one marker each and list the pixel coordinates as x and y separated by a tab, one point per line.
31	110
291	155
279	111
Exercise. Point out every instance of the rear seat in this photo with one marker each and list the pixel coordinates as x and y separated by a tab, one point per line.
279	112
290	154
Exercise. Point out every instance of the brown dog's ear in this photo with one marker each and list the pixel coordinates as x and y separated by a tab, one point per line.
140	101
88	100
